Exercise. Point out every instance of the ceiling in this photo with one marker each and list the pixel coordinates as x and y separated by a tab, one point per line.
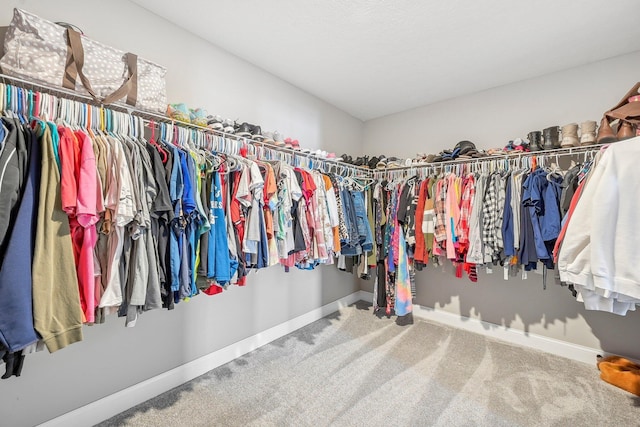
372	58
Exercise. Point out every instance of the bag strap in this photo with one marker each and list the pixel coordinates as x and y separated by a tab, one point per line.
75	63
70	71
132	64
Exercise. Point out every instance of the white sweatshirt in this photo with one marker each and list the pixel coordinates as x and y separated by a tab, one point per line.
600	251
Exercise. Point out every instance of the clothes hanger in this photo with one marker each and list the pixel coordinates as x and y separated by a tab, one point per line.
391	181
131	127
111	126
35	104
187	139
123	125
29	104
97	123
53	107
182	142
198	155
2	96
234	162
213	142
345	179
163	153
20	111
161	137
10	99
4	100
41	110
78	119
218	143
46	113
9	111
61	113
138	127
171	135
122	130
164	135
367	181
208	141
175	137
554	168
196	151
70	114
82	121
105	118
211	161
88	112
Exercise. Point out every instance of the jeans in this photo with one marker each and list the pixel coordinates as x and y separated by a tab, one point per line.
362	222
360	235
350	246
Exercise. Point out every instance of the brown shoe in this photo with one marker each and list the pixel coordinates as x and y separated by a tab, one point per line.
627	378
605	133
625	131
616	360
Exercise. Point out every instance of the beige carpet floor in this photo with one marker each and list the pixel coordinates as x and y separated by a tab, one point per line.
353	368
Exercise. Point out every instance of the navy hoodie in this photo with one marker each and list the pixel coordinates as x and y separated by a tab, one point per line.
16	315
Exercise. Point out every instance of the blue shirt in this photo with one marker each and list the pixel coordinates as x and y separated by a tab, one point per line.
188	197
507	223
219	263
533	203
176	188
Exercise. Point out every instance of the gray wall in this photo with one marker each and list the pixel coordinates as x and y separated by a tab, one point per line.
490	119
113	357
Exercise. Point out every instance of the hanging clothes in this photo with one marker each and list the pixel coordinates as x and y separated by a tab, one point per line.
78	188
220	265
404	295
16	312
53	269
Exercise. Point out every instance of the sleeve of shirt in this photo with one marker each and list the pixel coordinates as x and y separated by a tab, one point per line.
332	207
294	186
68	184
403	204
256	180
88	184
243	194
271	189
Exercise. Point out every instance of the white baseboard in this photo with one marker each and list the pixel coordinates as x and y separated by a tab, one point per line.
514	336
113	404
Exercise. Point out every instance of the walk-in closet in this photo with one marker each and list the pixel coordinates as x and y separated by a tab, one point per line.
343	213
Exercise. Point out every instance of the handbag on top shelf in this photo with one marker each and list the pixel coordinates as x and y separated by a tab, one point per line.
626	113
48	53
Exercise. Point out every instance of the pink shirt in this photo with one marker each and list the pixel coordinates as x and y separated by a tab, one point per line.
452	215
78	185
87	204
69	166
